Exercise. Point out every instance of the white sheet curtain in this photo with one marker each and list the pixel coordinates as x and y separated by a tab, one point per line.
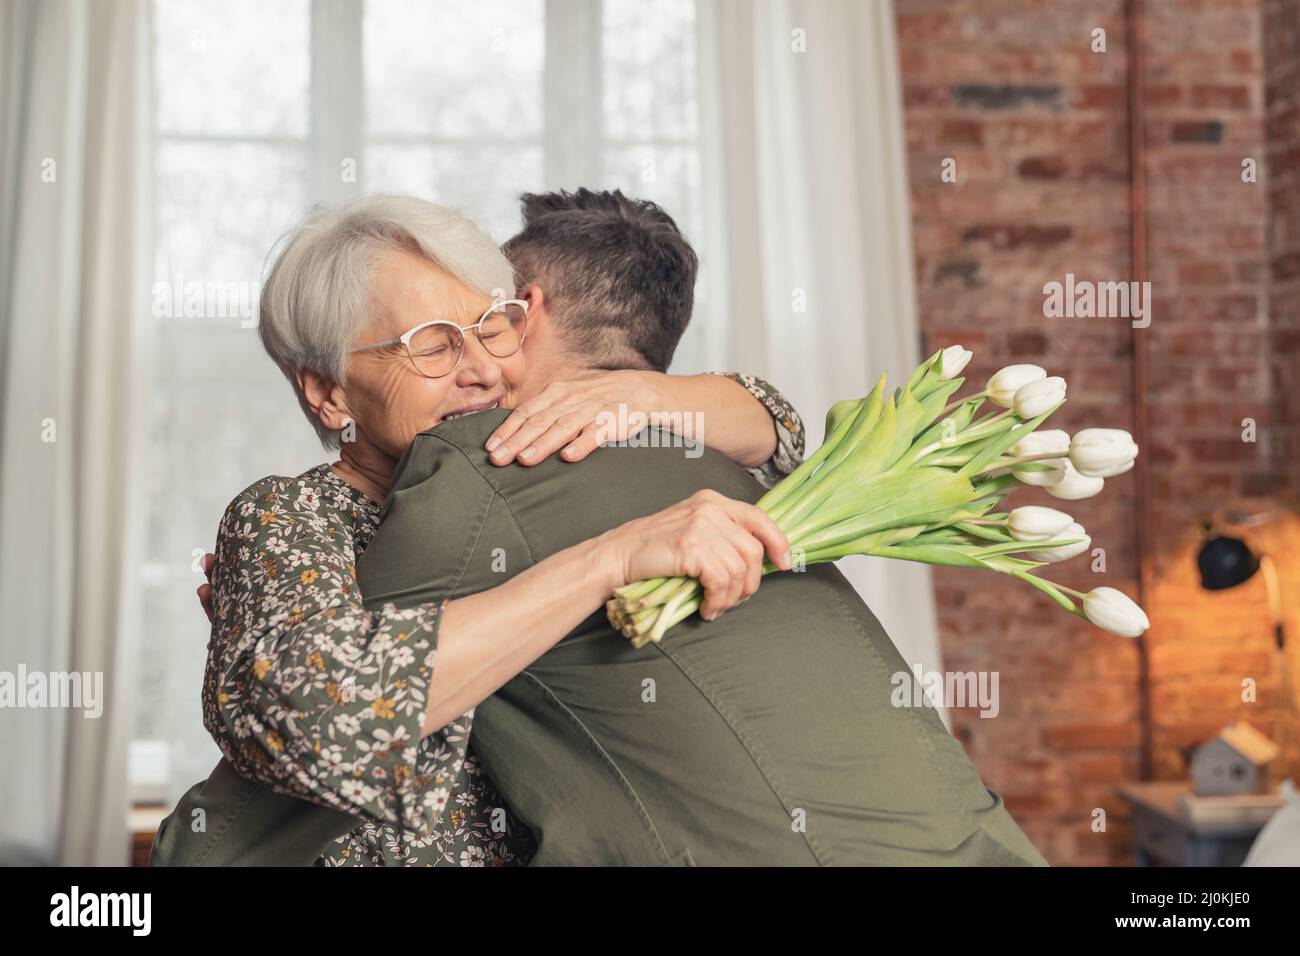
809	251
72	116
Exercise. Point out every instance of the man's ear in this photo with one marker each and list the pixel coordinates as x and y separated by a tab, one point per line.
325	398
537	303
541	320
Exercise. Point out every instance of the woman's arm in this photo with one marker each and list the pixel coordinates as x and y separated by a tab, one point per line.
489	637
307	691
788	454
735	421
739	415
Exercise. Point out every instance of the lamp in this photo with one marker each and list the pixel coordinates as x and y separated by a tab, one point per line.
1225	561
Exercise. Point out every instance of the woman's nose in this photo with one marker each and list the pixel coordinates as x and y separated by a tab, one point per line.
477	366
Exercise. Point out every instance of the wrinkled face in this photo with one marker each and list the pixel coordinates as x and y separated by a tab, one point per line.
390	401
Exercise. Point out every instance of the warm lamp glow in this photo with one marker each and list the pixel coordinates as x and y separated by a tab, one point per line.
1225	562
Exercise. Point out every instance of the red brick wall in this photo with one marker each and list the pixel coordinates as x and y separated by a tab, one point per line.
1038	126
1282	60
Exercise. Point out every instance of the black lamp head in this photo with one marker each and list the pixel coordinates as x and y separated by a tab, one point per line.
1225	562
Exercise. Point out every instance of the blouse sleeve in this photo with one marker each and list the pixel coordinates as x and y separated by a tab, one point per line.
307	691
789	430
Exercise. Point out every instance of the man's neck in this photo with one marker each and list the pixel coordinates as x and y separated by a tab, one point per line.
558	369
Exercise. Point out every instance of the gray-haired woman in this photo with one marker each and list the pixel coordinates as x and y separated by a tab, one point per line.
389	316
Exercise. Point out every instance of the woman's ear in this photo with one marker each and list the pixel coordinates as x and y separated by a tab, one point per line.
325	398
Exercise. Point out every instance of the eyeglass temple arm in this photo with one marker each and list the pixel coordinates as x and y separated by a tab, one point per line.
375	345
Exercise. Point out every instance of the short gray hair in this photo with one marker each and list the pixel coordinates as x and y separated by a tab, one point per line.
318	295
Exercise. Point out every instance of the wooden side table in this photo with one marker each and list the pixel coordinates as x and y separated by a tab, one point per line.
1162	835
142	823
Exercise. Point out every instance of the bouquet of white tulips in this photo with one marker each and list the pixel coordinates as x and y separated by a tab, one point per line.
913	475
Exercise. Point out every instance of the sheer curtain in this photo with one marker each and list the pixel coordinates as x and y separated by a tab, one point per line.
265	108
782	166
809	251
71	287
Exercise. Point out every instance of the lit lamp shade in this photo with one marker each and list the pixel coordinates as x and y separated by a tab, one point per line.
1225	563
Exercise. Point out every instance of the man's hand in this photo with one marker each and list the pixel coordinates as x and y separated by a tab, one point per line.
575	416
205	590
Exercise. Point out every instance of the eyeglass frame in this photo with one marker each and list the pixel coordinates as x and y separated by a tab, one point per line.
405	338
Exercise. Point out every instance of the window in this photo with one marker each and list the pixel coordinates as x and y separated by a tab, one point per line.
264	108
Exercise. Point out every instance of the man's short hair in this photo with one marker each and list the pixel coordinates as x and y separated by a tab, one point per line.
618	273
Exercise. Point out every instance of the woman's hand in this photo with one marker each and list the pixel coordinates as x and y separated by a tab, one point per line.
575	416
205	589
716	539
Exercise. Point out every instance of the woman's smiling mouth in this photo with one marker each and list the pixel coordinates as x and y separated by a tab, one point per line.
470	410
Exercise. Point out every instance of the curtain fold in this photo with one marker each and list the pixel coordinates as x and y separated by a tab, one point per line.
809	252
75	101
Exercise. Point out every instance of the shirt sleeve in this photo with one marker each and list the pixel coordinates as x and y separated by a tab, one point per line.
306	690
789	429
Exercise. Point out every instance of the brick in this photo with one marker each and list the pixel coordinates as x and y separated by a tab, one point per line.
962	132
1220	97
1016	235
1286	267
1027	345
1097	736
1101	98
1162	95
1208	131
963	271
1006	96
1042	167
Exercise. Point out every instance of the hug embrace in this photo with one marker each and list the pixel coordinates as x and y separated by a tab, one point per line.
410	660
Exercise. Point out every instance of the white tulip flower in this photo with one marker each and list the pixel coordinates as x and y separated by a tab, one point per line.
1075	486
953	359
1065	551
1036	523
1004	384
1033	399
1042	443
1103	452
1115	611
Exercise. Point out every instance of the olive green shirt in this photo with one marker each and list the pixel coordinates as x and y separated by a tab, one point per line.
769	736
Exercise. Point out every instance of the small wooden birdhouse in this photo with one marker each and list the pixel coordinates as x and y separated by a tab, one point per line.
1234	762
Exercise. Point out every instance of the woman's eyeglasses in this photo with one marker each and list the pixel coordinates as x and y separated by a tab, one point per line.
436	348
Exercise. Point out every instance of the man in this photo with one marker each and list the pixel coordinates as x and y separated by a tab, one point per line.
765	737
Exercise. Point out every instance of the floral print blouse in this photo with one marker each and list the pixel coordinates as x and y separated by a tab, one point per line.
308	692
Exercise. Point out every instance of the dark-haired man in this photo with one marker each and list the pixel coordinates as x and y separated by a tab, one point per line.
617	269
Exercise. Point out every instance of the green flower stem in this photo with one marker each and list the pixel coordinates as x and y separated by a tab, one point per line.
639	588
975	432
795	480
949	409
1056	592
1005	464
661	593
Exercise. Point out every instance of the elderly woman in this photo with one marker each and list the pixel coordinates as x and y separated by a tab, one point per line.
370	712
